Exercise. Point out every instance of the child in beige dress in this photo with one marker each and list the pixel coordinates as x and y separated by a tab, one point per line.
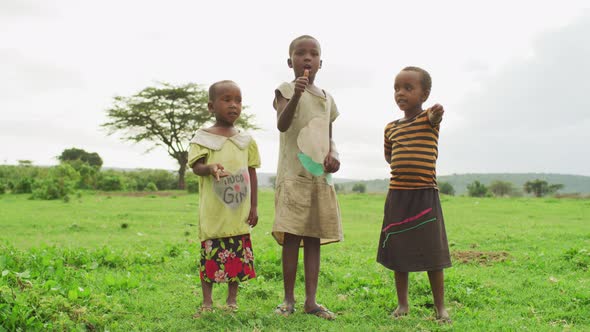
306	210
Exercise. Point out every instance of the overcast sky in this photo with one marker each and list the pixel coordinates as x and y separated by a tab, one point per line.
513	76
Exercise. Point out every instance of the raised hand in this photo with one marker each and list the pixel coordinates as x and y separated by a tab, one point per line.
301	82
435	113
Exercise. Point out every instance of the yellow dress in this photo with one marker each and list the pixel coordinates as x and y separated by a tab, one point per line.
306	204
224	205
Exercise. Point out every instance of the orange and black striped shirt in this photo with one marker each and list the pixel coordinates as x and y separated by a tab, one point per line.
411	148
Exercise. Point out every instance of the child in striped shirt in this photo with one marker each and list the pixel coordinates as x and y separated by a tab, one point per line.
413	236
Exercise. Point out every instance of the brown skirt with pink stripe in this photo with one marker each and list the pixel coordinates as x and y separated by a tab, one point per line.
413	236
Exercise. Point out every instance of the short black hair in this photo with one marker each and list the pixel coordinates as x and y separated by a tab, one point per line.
292	45
426	80
213	88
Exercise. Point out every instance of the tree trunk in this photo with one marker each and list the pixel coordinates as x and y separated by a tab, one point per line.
182	161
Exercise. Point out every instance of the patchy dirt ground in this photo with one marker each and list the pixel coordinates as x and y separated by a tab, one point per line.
479	257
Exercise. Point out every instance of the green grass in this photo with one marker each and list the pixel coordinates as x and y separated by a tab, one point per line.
519	264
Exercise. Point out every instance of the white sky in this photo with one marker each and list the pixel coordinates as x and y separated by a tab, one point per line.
513	75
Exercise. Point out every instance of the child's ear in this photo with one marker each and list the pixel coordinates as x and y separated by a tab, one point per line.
290	63
210	106
426	95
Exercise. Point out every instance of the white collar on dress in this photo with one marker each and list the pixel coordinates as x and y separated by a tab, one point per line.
215	142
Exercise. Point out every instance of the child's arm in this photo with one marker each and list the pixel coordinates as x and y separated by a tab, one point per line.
387	147
202	169
435	114
253	216
286	107
331	163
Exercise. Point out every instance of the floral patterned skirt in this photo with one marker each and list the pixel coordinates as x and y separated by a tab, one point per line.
228	259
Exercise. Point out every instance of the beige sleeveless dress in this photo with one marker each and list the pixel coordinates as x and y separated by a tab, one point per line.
305	204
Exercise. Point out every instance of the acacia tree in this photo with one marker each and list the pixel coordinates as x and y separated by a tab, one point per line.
360	188
165	115
540	188
501	188
477	189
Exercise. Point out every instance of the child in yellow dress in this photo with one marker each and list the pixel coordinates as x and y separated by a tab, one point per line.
226	160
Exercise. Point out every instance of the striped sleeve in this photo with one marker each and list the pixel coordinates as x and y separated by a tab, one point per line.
387	142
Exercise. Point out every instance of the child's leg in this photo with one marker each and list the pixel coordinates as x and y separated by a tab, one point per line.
311	262
207	288
290	257
232	294
401	287
437	284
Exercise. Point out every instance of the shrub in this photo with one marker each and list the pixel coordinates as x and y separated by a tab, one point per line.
2	188
477	189
88	176
151	187
61	181
24	186
164	180
50	189
192	184
446	188
110	183
360	188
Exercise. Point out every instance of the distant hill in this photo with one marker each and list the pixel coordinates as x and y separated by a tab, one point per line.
572	183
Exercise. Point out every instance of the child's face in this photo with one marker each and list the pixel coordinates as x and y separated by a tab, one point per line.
227	105
306	55
409	93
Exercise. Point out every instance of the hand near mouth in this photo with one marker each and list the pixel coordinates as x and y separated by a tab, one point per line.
301	83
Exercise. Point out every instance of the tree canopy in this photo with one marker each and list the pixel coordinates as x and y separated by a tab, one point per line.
477	189
501	188
540	188
166	115
74	154
446	188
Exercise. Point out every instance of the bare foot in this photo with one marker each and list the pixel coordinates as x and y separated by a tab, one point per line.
400	311
442	316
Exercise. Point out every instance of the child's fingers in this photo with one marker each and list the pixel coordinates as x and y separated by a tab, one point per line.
216	172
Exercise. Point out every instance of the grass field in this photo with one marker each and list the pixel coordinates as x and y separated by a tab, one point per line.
128	263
